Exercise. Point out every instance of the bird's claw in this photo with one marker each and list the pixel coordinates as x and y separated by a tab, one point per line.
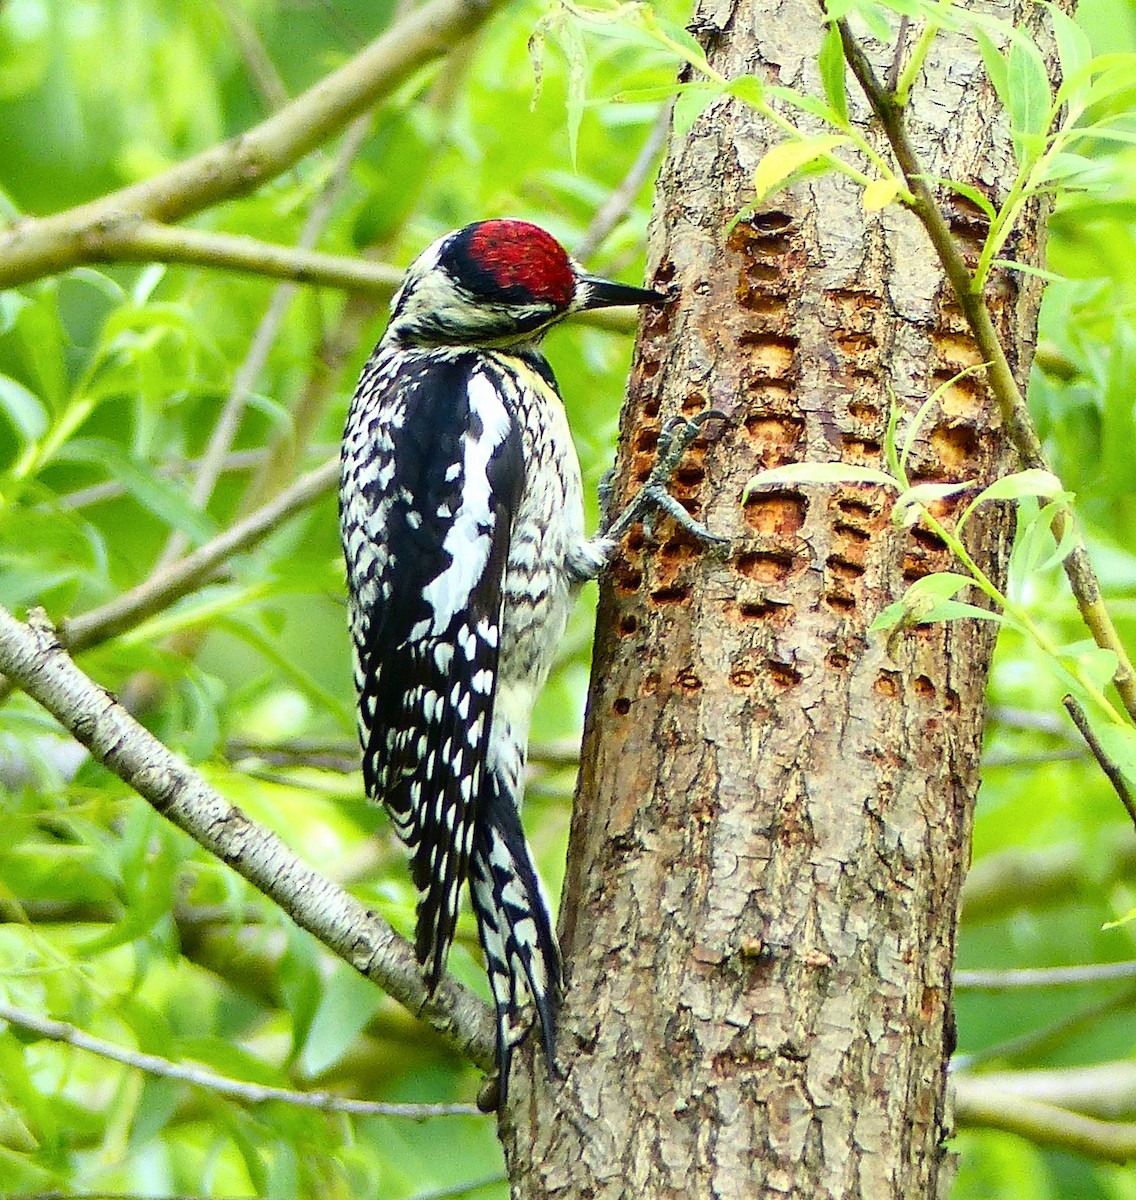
675	439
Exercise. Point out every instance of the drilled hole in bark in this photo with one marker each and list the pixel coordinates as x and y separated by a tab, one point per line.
678	549
844	568
689	682
927	539
776	513
961	398
690	476
854	345
840	602
923	687
778	432
782	675
887	684
852	532
913	568
857	508
951	701
645	441
665	271
649	368
635	538
627	578
742	677
628	624
674	594
955	445
651	407
836	661
770	354
759	301
621	707
770	222
765	566
858	410
765	610
858	449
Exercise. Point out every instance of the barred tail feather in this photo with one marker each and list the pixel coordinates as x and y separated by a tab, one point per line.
521	955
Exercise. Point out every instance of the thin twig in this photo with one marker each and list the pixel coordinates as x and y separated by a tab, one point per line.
1111	770
32	657
33	248
164	587
225	430
1011	403
1043	977
615	207
224	1085
257	60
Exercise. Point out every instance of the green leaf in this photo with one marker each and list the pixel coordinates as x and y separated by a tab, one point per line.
689	106
880	193
162	497
24	409
831	63
996	66
1074	51
831	472
1029	94
779	163
1016	486
747	88
910	504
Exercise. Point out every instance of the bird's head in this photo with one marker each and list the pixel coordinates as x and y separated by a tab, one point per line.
497	283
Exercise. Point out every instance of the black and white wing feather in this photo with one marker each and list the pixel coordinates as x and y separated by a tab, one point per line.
432	477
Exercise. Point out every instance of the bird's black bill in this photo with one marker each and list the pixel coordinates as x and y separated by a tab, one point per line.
603	293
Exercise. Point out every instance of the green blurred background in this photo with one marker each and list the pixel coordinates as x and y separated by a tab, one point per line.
116	922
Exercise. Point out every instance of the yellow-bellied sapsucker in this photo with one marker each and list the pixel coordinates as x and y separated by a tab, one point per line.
461	514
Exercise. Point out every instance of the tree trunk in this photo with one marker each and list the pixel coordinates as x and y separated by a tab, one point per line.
774	807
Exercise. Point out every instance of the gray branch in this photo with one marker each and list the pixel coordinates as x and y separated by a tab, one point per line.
32	656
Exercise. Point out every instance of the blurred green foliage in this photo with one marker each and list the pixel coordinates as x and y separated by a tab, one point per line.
111	383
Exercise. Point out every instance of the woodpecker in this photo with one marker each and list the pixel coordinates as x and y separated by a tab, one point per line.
461	514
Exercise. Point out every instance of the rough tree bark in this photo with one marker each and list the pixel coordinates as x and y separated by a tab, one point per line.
774	809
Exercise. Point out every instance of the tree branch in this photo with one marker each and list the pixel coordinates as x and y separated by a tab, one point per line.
32	657
1106	1090
1003	385
1111	771
1044	977
224	1085
979	1106
33	248
163	588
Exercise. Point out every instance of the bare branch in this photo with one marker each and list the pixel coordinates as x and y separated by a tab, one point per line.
181	578
614	209
979	1106
134	239
32	657
33	248
1043	977
1105	1089
1111	771
224	1085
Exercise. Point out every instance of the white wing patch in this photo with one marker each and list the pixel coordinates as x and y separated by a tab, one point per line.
469	537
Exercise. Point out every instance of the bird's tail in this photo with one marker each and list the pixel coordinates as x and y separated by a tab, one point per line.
521	954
